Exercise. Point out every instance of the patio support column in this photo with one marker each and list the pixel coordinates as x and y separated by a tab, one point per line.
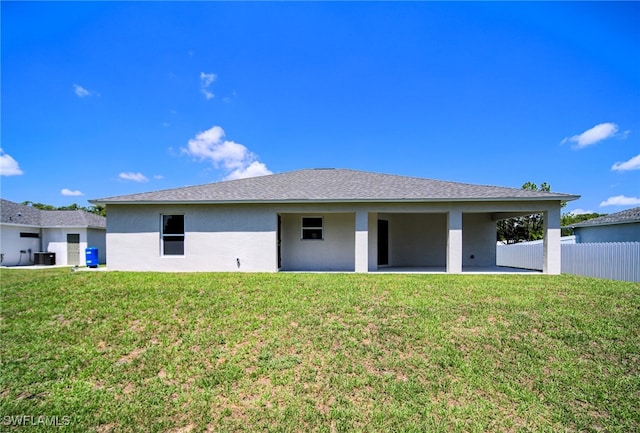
362	241
552	250
454	241
373	241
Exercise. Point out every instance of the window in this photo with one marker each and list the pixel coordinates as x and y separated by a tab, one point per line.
29	235
173	235
312	228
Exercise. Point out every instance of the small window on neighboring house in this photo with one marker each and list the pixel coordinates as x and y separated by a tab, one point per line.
29	235
172	235
312	228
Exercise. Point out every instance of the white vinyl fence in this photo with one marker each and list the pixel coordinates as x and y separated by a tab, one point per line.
613	260
526	255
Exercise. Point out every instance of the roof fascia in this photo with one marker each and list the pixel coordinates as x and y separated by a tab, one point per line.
71	227
307	201
22	225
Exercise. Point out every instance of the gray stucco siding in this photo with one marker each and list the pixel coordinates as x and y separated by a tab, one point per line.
417	239
629	232
11	244
478	239
217	238
97	239
335	252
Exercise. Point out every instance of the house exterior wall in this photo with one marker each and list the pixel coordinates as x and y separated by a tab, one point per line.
217	235
11	244
629	232
54	240
478	239
217	238
417	239
97	239
333	253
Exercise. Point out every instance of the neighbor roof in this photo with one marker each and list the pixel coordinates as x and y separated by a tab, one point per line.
624	217
332	185
14	213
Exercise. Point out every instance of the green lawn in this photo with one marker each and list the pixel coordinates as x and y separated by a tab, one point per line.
112	352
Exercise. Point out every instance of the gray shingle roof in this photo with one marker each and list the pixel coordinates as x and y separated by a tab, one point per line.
333	185
624	217
14	213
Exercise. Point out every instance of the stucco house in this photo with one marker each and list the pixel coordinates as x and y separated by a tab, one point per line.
26	231
321	220
621	226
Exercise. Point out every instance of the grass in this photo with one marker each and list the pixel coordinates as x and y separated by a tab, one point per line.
127	352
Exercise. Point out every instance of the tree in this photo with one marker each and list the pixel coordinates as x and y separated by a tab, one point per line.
530	227
39	205
568	219
524	228
98	210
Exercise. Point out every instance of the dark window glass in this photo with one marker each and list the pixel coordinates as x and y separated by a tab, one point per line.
173	235
174	245
29	235
173	224
312	234
312	228
312	222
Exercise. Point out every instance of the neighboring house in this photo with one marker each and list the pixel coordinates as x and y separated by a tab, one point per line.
321	220
564	240
617	227
26	231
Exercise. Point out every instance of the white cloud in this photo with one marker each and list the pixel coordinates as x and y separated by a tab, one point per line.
581	212
592	136
158	177
70	193
136	177
8	165
632	164
81	92
207	79
234	157
205	82
255	169
621	200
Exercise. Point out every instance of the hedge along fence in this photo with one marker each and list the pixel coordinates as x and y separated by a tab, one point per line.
613	260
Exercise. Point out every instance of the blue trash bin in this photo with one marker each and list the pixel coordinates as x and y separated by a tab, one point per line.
91	257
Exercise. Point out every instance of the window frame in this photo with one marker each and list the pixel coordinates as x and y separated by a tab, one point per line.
311	228
164	236
30	235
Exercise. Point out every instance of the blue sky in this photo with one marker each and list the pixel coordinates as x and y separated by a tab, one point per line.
109	98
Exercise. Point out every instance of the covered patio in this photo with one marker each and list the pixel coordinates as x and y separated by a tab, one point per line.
413	238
